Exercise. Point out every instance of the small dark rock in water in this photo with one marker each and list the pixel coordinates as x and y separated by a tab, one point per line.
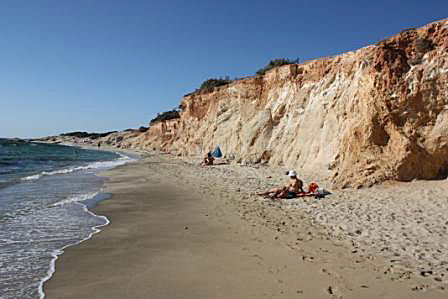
330	290
358	231
186	227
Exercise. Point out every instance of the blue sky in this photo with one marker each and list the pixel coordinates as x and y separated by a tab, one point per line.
111	65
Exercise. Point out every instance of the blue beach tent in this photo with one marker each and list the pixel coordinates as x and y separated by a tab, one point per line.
217	152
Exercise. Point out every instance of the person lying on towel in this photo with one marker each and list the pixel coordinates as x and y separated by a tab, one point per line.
291	190
208	159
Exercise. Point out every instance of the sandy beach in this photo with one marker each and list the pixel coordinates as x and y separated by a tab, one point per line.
182	231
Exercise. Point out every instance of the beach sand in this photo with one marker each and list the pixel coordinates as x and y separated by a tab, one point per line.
182	231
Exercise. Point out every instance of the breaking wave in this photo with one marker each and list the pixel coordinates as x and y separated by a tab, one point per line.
94	165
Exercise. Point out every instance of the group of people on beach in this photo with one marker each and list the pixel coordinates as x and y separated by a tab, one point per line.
293	189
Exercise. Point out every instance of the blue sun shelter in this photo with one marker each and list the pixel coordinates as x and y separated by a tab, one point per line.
217	152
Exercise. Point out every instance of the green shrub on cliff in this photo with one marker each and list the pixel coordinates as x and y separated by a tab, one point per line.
212	83
209	84
87	135
276	63
172	114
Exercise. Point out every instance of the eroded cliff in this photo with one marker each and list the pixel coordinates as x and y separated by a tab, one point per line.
359	118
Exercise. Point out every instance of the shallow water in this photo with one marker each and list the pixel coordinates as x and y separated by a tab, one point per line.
43	209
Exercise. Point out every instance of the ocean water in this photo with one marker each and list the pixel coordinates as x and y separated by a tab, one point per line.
45	193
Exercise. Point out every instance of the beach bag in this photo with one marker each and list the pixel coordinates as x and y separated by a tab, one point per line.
217	152
313	187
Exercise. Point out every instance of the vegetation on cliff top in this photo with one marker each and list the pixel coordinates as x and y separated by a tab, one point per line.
172	114
210	84
276	63
87	135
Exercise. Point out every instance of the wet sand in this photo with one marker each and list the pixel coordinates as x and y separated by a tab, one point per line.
181	231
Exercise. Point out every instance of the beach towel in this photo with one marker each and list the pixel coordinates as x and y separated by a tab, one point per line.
313	190
217	152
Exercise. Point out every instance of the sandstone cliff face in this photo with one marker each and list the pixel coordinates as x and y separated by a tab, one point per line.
363	117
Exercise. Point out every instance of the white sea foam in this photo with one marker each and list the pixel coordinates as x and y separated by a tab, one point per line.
78	200
94	165
75	199
32	177
56	253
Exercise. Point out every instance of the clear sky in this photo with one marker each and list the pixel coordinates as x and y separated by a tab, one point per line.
100	65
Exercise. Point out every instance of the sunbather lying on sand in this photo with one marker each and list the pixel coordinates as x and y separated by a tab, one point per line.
291	190
208	159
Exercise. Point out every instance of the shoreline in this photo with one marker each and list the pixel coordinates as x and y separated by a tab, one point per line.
58	252
55	254
335	266
47	209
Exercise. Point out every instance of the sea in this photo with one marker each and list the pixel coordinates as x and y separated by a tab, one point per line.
46	193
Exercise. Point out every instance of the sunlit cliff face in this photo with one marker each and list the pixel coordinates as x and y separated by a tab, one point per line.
359	118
